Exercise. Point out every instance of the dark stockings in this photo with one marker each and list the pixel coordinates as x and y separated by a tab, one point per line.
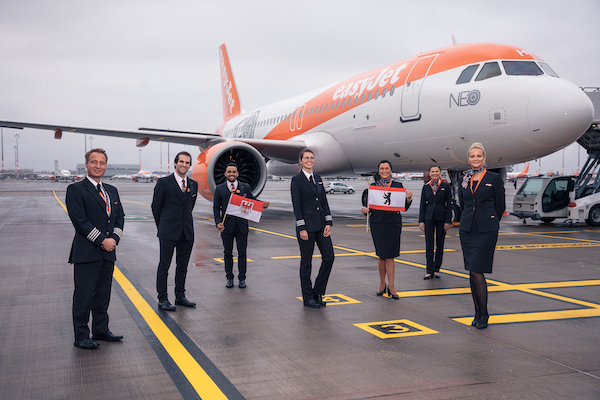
480	296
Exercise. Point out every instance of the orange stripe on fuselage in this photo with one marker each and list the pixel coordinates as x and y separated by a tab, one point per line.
384	78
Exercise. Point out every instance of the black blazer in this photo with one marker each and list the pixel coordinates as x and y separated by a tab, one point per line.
390	217
310	204
485	207
172	208
220	201
436	207
87	211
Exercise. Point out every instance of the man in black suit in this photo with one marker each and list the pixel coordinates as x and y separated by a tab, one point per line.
313	225
232	227
172	204
435	217
97	215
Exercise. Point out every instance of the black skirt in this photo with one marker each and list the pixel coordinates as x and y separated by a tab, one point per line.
478	249
386	238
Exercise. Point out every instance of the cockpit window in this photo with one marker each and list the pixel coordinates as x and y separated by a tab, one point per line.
489	70
548	70
521	68
467	74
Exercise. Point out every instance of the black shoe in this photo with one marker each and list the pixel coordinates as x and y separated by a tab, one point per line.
437	276
319	299
242	283
481	325
229	283
474	322
107	337
86	344
381	292
182	301
312	303
392	296
166	305
428	276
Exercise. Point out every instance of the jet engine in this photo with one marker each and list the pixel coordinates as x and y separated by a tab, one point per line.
209	170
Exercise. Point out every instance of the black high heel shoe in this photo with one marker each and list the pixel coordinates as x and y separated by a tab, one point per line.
381	292
392	296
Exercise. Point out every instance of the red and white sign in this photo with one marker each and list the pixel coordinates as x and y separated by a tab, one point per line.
387	198
243	207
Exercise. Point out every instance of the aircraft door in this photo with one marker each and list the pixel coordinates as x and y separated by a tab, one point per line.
296	119
411	89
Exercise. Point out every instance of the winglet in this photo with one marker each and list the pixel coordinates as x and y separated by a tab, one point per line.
231	100
526	169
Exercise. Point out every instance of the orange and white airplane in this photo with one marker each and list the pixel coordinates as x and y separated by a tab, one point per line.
516	175
425	109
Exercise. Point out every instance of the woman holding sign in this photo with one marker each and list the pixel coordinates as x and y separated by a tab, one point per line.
385	201
482	202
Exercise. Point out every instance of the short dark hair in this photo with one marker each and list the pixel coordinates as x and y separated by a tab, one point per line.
231	164
98	150
384	162
303	151
434	166
182	153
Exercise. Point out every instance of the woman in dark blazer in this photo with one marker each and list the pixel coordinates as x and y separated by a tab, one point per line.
386	227
313	225
435	215
482	201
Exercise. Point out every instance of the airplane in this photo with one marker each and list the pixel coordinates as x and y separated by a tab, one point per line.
424	109
64	175
516	175
146	176
408	176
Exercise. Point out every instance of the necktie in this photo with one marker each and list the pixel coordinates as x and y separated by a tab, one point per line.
183	185
99	187
311	180
232	187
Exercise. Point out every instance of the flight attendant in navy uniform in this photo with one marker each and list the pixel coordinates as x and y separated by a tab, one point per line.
232	227
435	216
482	202
313	225
97	215
386	231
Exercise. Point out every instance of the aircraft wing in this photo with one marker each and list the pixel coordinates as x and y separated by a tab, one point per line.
281	150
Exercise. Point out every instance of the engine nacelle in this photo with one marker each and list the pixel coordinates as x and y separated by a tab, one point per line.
209	170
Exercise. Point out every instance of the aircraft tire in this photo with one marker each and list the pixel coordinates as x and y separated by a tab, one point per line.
455	213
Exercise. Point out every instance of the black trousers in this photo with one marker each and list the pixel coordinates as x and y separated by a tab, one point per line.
241	239
182	257
434	228
93	282
307	247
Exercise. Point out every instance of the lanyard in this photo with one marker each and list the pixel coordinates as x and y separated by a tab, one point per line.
480	179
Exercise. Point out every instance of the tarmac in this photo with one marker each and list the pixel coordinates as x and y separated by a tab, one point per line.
261	343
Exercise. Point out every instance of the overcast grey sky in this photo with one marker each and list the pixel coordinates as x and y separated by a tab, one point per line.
131	64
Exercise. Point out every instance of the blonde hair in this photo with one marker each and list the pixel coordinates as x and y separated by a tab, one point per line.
476	145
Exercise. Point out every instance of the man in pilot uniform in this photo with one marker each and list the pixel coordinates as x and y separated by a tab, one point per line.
97	215
172	204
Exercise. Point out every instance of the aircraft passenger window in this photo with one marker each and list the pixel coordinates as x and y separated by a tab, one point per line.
467	74
548	70
383	93
369	97
362	98
326	107
343	103
489	70
321	110
337	105
377	94
521	68
392	90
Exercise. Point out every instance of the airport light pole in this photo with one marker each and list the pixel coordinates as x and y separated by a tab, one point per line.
2	145
168	158
91	142
85	142
17	155
140	151
161	159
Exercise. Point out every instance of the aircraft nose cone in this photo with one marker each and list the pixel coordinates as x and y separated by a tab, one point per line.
559	113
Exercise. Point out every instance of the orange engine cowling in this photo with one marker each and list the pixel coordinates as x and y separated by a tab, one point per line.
209	169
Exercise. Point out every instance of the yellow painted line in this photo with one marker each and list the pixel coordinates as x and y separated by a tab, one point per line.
546	246
535	316
235	259
198	378
60	202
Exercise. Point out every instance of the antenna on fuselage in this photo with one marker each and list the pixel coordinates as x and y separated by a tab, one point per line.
453	41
